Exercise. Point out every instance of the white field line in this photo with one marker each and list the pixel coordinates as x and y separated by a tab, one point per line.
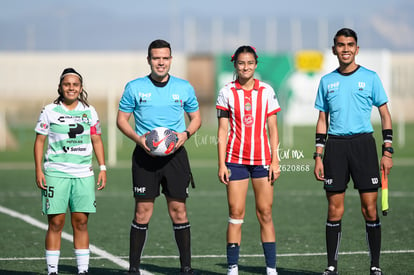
224	256
93	249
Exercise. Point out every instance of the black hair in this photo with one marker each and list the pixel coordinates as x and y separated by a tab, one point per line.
83	96
347	33
244	49
158	44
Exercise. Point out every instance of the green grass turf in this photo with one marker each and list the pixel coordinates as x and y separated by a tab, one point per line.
299	215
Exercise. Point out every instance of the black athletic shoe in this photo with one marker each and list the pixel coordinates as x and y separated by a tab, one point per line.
53	273
83	273
375	271
134	271
187	271
330	270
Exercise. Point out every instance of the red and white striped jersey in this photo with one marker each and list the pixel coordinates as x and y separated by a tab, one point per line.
248	111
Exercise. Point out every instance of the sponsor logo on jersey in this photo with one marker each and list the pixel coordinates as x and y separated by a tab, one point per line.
74	141
77	149
73	149
78	119
248	120
75	129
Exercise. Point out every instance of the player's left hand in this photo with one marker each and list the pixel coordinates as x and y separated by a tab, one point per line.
181	139
386	164
319	170
41	180
101	180
274	172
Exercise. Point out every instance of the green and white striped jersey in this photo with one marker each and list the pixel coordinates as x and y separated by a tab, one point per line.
69	152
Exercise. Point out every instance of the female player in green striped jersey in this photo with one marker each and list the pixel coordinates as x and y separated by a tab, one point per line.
71	127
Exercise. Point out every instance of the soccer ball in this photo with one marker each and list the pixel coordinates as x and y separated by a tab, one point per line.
161	141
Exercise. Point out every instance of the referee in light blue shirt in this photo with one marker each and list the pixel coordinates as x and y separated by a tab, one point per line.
345	146
159	100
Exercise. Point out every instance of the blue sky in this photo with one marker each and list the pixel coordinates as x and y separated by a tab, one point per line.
131	24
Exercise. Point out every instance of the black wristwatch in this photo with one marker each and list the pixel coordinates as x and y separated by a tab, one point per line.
315	155
188	134
387	149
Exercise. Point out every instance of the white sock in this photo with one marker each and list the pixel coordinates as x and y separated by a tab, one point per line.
52	260
82	259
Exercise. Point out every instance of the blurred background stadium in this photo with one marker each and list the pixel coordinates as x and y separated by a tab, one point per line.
106	41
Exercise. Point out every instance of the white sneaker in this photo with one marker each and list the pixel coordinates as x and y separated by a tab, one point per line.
233	270
271	271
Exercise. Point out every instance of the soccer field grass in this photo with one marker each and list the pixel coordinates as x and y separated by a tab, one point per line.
299	216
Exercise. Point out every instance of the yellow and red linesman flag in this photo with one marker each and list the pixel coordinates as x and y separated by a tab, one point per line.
384	193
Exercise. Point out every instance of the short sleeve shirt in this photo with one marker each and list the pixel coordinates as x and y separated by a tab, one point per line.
349	99
69	151
158	106
248	142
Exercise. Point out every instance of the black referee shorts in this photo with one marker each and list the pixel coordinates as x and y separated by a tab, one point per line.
351	156
172	172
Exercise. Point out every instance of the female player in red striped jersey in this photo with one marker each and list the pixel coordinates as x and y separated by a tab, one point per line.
248	149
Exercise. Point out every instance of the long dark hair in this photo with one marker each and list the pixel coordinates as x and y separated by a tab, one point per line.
244	49
83	96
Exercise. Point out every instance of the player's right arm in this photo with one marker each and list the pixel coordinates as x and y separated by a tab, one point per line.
122	121
223	173
321	127
38	157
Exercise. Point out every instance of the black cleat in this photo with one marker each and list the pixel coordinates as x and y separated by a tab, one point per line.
375	271
330	270
187	271
134	271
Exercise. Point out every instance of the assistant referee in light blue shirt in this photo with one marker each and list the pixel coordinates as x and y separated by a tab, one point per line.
345	146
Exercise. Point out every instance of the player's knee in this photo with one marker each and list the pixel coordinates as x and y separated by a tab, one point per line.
370	213
335	211
81	226
265	217
236	221
264	212
236	212
56	227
